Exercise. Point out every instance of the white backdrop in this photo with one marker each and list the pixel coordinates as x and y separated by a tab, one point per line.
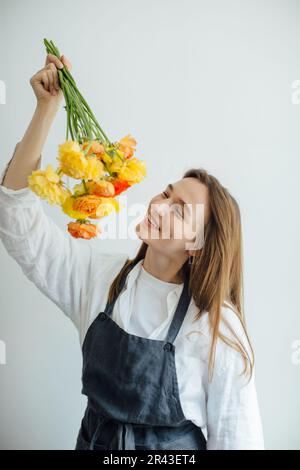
197	83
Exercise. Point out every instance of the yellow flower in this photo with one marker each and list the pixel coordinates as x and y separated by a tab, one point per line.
69	146
104	157
72	160
74	163
47	185
107	205
115	165
132	171
94	168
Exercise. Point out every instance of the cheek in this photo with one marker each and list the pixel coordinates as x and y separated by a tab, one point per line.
180	230
169	226
187	231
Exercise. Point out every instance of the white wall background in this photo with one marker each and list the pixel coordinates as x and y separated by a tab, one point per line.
198	83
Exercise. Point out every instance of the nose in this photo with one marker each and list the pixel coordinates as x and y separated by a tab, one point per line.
160	211
162	208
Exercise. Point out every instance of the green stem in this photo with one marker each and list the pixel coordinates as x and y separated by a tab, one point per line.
85	187
81	122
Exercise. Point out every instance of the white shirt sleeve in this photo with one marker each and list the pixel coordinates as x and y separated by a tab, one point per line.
233	415
58	264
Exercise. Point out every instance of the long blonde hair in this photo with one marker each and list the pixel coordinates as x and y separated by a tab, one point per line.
219	265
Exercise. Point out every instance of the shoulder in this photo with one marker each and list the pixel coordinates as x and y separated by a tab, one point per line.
229	321
227	357
232	357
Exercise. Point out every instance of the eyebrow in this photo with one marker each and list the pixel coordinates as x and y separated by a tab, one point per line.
171	188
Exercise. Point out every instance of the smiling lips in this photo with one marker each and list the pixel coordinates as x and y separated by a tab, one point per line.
152	222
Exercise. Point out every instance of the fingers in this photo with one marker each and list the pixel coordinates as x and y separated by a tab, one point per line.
45	80
49	78
53	78
56	80
59	63
66	62
52	59
51	82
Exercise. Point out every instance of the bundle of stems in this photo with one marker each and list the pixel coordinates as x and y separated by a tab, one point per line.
81	122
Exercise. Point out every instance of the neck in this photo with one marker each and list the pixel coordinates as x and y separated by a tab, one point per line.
162	267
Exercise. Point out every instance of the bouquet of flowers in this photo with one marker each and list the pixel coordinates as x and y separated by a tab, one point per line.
105	169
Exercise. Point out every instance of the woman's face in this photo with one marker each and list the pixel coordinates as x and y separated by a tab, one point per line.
175	218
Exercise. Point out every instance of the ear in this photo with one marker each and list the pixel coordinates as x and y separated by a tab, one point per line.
191	252
194	252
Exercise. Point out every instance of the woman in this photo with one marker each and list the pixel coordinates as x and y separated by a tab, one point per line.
167	360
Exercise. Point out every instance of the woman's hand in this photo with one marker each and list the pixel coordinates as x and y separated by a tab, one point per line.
45	82
27	155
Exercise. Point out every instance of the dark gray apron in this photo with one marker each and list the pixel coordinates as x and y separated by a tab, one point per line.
132	389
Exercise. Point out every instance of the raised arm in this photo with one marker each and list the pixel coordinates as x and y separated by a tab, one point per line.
56	263
49	95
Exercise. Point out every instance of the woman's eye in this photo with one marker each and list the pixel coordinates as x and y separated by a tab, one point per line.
178	210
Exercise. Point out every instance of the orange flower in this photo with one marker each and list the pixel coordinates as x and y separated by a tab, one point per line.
100	188
87	205
119	185
91	206
82	230
127	145
95	147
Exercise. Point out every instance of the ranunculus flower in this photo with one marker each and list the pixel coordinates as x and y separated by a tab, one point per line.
89	206
93	147
72	160
101	188
119	185
47	185
83	230
132	171
127	146
115	165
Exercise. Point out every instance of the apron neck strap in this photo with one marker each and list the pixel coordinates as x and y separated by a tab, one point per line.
180	311
109	306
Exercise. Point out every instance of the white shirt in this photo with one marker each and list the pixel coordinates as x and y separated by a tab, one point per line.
150	307
76	276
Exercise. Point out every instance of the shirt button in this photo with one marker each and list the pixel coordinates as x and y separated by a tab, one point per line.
168	346
102	316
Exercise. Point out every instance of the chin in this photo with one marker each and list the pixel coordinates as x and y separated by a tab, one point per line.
139	231
142	235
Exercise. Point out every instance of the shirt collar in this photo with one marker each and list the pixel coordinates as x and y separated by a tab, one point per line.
133	275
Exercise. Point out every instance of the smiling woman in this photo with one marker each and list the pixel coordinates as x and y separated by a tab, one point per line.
218	262
166	352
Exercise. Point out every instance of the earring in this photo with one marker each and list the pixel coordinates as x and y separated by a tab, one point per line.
191	259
